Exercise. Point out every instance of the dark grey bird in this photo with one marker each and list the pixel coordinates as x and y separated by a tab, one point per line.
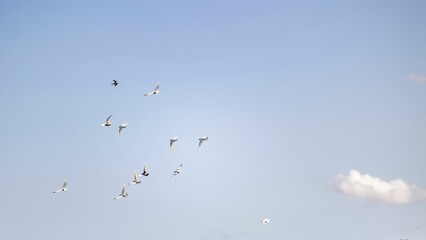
172	142
115	83
202	139
121	127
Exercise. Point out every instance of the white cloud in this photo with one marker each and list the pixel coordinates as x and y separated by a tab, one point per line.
366	186
417	78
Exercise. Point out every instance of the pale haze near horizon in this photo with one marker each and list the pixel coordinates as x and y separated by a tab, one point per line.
291	95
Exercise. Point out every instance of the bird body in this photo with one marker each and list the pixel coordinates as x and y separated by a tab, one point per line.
123	193
135	179
172	142
107	122
63	188
266	221
202	139
121	127
177	171
156	91
145	172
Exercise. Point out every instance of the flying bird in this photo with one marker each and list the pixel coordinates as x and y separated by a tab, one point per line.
266	221
107	122
172	142
201	140
135	179
177	171
120	128
123	193
115	83
145	171
156	91
63	188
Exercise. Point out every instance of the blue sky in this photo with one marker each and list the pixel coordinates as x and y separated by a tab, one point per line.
291	93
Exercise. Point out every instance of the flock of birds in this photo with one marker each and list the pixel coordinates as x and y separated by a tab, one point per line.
145	172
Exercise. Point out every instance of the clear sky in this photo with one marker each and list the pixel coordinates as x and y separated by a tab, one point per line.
293	95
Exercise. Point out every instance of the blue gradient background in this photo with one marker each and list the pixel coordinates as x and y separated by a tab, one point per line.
291	93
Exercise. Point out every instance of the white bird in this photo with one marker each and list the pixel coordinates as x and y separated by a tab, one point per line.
172	142
156	91
63	188
201	140
145	171
266	221
135	179
123	193
107	122
177	171
120	128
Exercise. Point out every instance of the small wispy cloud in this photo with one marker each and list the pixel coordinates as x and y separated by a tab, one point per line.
417	78
221	234
414	227
366	186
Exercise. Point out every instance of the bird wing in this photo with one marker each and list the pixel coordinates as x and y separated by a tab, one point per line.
145	168
65	184
171	144
157	87
179	169
266	220
136	179
120	128
123	191
108	119
201	142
